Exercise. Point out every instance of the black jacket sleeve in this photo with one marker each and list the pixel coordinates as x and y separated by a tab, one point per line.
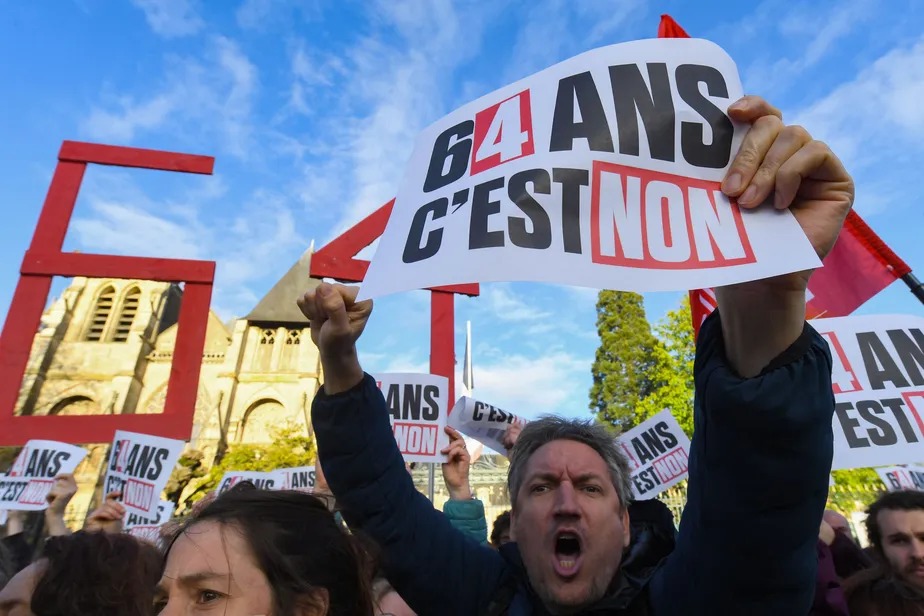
759	465
433	566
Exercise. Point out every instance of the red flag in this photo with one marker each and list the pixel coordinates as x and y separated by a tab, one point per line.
858	267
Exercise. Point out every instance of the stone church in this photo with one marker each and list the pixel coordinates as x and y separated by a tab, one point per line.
106	345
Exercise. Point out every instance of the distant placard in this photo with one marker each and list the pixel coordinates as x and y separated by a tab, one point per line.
299	478
148	527
658	451
32	476
417	409
263	480
139	467
902	477
483	422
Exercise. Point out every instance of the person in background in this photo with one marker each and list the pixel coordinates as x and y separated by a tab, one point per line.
847	556
464	510
17	544
895	587
108	517
256	551
500	532
85	574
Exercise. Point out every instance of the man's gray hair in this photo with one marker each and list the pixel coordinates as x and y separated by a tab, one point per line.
587	431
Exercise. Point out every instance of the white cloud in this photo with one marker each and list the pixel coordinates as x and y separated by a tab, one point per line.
171	18
555	382
202	99
876	116
503	304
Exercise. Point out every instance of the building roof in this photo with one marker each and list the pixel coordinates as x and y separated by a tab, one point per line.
278	306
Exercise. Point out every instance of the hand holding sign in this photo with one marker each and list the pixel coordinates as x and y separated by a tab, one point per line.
61	493
337	322
108	516
764	317
455	471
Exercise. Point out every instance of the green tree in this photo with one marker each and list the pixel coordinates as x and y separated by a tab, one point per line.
672	370
854	490
188	468
291	446
622	367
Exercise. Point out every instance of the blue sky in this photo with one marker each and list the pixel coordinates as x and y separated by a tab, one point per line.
311	109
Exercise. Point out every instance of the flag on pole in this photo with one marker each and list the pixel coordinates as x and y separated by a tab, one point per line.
858	267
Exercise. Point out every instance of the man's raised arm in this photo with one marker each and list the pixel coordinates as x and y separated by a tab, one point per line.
762	443
434	567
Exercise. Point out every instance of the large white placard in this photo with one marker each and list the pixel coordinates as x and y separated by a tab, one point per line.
32	476
902	477
139	468
658	451
417	409
878	379
483	422
601	171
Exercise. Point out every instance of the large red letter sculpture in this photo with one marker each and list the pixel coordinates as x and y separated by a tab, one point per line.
45	259
338	260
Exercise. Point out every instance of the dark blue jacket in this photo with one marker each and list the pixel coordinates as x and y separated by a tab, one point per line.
759	467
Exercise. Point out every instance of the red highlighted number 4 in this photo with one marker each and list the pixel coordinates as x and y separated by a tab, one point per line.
503	133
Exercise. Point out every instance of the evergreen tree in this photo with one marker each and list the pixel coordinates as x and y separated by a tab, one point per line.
672	369
625	357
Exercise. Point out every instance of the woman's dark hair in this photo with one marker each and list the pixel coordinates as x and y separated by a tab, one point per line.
96	574
878	592
501	525
298	546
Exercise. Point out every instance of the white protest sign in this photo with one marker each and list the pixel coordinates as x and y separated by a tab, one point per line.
658	452
300	478
601	171
148	527
3	516
902	477
878	376
27	483
483	422
417	407
263	480
139	467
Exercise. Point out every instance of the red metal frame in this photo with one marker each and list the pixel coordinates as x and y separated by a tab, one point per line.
338	260
44	259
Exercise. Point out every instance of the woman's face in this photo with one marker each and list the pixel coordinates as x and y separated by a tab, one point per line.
211	570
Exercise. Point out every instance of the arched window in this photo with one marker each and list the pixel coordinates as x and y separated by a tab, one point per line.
75	405
259	421
290	350
263	357
127	315
100	315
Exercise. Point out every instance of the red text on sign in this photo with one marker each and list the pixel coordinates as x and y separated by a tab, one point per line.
36	492
138	494
671	466
503	133
842	375
646	219
415	439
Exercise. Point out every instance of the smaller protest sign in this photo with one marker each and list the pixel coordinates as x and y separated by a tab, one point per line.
483	422
299	478
32	476
902	477
263	480
139	467
878	382
418	405
148	527
658	453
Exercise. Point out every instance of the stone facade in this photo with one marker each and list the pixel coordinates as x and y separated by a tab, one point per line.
106	346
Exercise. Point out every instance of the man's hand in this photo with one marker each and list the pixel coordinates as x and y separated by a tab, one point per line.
826	533
61	493
455	471
337	321
783	164
511	435
108	516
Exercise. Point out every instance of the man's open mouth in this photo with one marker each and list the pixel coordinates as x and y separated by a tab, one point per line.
567	553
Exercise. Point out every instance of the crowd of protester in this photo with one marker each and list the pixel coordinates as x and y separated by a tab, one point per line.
753	539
